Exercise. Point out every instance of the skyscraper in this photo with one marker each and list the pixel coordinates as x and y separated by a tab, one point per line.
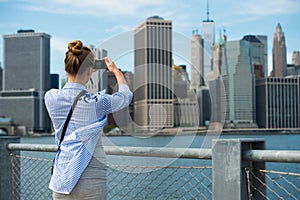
153	83
264	40
208	35
293	70
278	102
296	58
99	78
120	118
279	53
241	84
257	54
245	62
54	80
216	83
197	63
180	81
26	77
27	61
1	77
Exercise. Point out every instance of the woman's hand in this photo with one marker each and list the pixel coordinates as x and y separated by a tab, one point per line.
110	65
114	69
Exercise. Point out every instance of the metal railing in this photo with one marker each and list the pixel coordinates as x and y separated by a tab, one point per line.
229	177
272	156
124	181
127	151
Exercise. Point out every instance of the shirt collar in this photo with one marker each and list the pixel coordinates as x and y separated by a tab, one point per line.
73	85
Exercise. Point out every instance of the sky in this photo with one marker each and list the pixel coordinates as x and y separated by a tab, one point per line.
110	24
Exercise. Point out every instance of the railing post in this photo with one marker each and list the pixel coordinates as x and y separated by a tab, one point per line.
229	175
6	175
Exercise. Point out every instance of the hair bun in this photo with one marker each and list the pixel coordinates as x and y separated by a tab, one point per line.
75	47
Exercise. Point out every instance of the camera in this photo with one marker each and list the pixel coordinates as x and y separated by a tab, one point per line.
100	64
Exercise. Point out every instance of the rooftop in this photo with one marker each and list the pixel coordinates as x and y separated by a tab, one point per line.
156	17
251	38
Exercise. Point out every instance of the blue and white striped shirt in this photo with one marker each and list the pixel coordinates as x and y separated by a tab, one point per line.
86	124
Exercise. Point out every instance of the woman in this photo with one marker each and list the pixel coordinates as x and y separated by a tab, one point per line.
80	169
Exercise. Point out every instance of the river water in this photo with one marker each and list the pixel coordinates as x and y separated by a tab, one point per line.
276	142
272	142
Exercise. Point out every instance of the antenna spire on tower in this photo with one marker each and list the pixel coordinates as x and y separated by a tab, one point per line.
207	10
207	13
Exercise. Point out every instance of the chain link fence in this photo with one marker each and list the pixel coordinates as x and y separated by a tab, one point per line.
31	177
273	184
172	182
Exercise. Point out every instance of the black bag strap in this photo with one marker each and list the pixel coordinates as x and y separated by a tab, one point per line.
69	117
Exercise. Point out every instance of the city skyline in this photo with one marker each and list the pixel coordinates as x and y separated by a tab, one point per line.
98	22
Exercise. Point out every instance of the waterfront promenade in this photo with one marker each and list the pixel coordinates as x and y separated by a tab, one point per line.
231	169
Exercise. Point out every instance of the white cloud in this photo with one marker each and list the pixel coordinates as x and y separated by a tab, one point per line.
58	50
139	9
59	44
90	7
120	28
240	20
268	7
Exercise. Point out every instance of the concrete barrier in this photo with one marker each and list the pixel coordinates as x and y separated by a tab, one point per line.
6	184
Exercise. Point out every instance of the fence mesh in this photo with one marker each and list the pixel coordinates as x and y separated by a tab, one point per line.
271	184
172	182
31	176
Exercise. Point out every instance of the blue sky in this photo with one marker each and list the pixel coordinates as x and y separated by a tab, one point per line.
109	23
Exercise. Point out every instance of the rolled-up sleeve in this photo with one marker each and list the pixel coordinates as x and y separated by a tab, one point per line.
106	103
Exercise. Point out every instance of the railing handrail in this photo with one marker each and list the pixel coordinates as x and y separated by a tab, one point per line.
194	153
32	147
272	156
